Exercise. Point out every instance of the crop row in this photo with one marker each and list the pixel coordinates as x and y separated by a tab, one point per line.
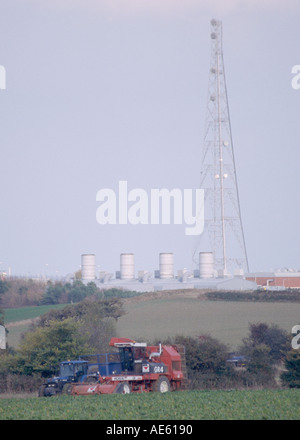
185	405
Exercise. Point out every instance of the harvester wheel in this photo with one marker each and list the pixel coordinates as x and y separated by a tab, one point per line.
162	385
123	388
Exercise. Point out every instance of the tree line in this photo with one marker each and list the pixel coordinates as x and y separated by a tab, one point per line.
21	292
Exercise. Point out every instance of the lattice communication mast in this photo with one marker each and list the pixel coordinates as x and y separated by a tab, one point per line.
223	222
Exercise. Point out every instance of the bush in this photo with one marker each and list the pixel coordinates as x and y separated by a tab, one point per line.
19	383
41	350
265	348
291	377
275	340
206	362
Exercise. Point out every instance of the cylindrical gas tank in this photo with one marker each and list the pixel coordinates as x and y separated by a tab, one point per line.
88	267
127	266
206	265
166	265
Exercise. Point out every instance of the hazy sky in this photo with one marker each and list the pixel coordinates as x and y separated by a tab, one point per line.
99	91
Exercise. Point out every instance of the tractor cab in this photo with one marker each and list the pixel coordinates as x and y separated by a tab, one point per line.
134	356
73	369
131	358
131	354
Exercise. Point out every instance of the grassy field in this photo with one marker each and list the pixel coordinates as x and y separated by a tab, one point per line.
228	321
224	320
185	405
24	313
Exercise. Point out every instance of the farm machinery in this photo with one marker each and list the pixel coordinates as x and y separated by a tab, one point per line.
84	370
139	368
69	372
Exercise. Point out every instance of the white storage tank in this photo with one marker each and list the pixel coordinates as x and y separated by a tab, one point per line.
88	267
166	265
127	266
206	265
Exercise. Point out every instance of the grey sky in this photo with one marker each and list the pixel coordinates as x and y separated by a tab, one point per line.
97	93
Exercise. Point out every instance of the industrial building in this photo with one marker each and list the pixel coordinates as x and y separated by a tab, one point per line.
277	280
164	278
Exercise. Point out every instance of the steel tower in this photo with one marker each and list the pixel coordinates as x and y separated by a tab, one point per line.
223	222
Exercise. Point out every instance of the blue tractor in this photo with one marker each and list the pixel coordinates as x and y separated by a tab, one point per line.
69	372
86	369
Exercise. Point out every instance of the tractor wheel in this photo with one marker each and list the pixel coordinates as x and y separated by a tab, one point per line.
162	385
123	388
91	379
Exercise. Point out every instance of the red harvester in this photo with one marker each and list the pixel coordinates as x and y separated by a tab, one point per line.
140	368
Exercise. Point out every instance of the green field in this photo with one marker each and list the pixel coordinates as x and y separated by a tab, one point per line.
228	321
185	405
24	313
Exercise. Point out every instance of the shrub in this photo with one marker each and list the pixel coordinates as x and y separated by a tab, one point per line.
291	377
206	362
19	383
276	340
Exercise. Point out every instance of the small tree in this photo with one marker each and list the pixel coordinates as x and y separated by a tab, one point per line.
206	361
265	347
42	349
275	340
